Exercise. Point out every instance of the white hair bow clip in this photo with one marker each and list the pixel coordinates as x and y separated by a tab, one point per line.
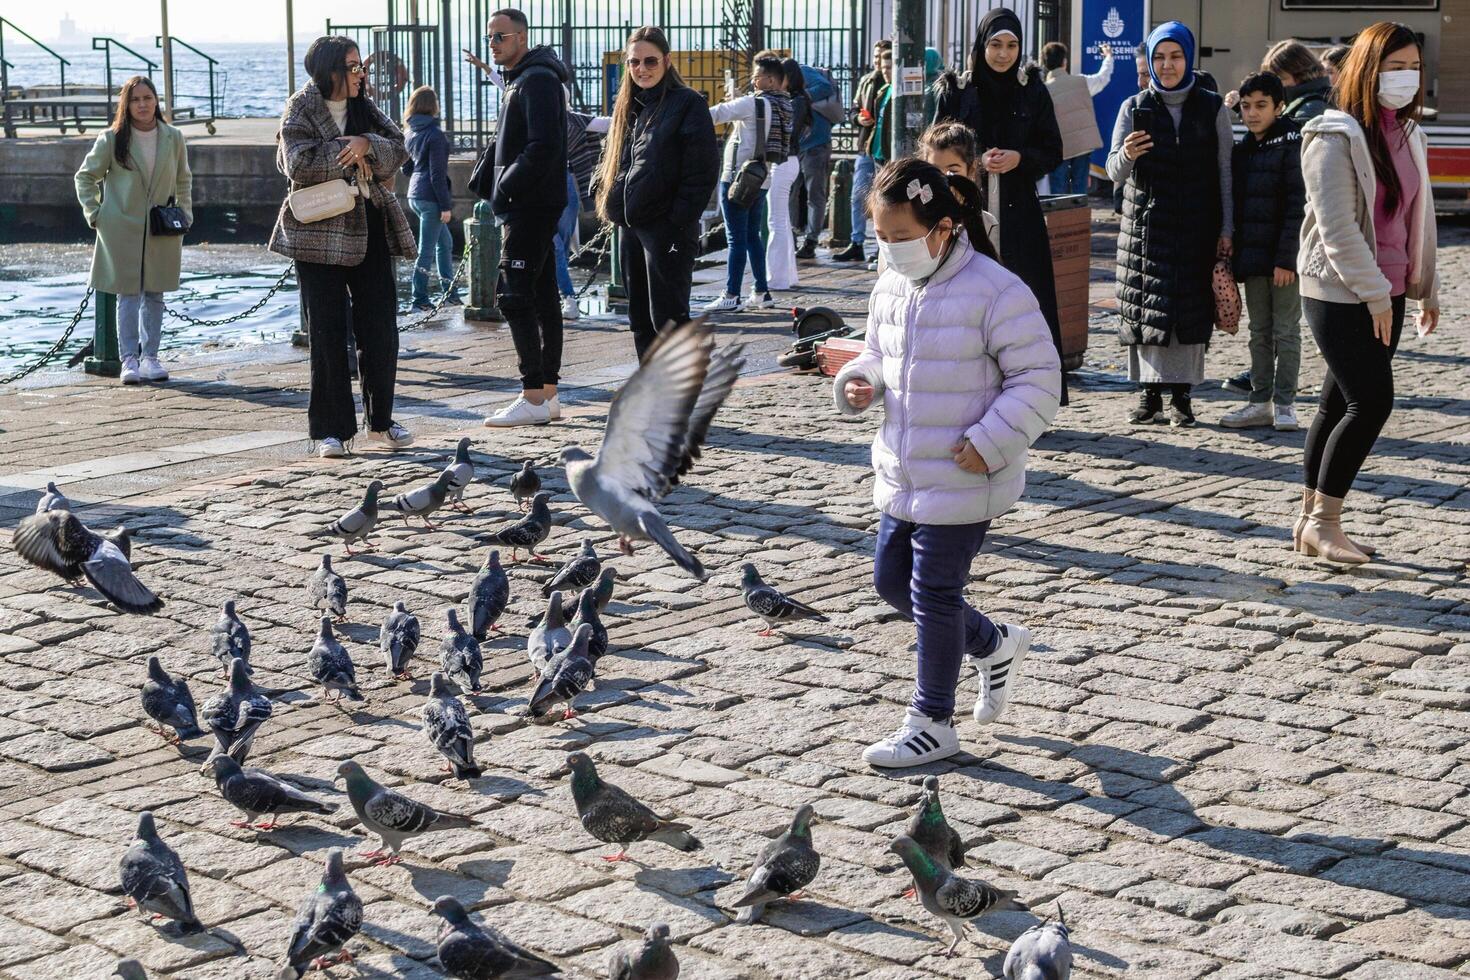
921	191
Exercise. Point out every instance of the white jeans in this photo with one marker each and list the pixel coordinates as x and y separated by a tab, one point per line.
129	322
781	247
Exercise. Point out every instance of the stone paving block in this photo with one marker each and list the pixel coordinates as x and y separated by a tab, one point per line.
1283	918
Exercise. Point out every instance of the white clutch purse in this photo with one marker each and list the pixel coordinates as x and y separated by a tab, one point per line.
322	201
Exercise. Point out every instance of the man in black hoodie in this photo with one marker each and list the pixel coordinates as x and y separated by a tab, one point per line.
530	193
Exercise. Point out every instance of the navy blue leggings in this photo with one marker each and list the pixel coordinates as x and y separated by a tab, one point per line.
921	570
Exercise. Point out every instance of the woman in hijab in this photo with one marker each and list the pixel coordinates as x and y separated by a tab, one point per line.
1006	103
1171	154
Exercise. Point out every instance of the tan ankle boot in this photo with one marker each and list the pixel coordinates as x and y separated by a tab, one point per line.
1308	496
1322	533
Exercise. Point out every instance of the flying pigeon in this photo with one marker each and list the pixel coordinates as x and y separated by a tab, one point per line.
255	792
330	915
1043	952
473	952
331	665
489	596
933	833
155	881
399	638
327	591
448	726
529	531
956	900
602	589
129	970
461	475
230	637
525	485
549	636
772	605
358	523
391	815
786	865
425	500
652	959
234	715
613	817
60	543
566	676
576	574
587	614
167	700
460	657
52	499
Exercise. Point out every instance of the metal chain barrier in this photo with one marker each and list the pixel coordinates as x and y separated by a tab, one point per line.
238	316
56	348
603	238
459	268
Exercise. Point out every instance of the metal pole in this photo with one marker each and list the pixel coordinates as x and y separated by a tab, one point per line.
446	98
290	49
908	76
168	67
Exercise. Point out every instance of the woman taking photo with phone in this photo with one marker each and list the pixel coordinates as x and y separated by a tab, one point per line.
1171	155
136	164
1367	245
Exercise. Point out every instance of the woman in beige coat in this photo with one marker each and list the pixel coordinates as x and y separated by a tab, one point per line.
138	162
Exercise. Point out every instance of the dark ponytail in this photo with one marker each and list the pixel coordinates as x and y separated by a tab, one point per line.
951	196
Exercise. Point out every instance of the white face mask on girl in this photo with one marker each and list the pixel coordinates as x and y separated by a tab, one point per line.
911	259
1397	89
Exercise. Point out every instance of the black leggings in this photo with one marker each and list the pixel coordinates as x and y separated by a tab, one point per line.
1357	394
658	270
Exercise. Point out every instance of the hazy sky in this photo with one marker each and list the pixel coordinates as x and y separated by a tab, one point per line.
193	20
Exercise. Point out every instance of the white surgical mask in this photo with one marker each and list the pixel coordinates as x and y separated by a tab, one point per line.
910	259
1397	89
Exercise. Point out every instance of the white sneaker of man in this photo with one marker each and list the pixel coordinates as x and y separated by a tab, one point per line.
1285	419
151	370
569	308
553	407
919	740
1251	416
130	374
760	301
999	670
393	437
723	304
331	448
520	412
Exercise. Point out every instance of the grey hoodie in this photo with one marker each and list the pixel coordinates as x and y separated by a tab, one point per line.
1338	260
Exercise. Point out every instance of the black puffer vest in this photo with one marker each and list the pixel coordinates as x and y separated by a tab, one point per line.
1269	198
1171	224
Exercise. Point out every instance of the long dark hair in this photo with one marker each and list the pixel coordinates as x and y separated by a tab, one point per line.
951	196
326	63
795	80
622	115
1356	93
122	120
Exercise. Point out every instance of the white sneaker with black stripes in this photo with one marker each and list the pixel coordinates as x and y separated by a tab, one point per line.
918	740
999	671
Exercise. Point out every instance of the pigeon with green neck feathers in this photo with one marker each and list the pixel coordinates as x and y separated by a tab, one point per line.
958	901
328	918
612	816
933	833
358	523
786	865
392	816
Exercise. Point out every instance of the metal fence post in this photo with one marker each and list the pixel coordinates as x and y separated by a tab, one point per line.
839	202
483	236
615	287
104	359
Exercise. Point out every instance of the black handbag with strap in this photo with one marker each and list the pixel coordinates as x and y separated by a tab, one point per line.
751	177
482	177
167	219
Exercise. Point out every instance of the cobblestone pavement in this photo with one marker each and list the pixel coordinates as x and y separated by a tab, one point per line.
1223	760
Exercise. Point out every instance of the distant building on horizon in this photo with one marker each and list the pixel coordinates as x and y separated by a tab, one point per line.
66	32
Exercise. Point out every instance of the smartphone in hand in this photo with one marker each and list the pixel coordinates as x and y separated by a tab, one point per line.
1143	119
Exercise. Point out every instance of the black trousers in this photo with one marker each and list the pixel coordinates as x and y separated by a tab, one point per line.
527	295
1357	394
362	299
658	269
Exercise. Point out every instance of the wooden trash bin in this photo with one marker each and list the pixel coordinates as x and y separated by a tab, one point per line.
1069	225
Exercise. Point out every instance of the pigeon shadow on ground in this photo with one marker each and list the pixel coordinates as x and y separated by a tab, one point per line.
494	873
429	882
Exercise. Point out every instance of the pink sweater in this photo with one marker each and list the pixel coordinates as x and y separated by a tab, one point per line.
1391	231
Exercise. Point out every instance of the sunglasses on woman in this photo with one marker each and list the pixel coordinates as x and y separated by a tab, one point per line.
652	61
356	70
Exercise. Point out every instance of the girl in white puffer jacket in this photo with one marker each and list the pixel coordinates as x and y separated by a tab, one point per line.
960	353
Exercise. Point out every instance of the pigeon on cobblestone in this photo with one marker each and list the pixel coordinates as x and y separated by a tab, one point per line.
529	531
549	636
234	715
567	675
958	901
154	879
772	605
460	657
255	792
392	816
331	665
461	475
1043	952
399	639
525	485
474	952
489	596
425	500
60	543
933	833
785	866
576	574
52	499
587	614
358	523
129	970
167	700
230	637
448	726
329	917
602	590
614	817
655	430
327	591
651	959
